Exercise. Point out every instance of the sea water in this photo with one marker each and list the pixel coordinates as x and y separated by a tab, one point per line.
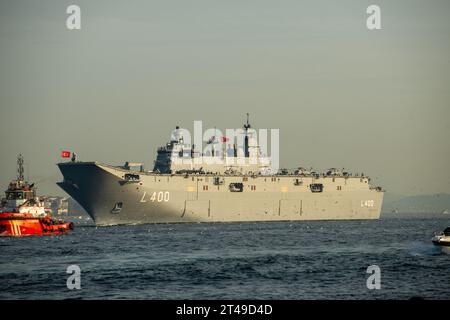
254	260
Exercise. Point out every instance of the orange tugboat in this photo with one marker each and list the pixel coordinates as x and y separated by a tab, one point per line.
23	214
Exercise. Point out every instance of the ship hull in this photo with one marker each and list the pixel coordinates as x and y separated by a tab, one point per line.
20	225
110	198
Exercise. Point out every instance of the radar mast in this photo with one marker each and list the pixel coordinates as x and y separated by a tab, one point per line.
247	125
20	168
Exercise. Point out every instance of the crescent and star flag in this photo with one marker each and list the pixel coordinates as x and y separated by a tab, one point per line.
65	154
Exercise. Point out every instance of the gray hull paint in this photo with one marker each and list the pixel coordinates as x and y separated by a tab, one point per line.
158	198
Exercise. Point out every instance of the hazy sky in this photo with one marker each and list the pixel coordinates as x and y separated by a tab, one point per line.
341	95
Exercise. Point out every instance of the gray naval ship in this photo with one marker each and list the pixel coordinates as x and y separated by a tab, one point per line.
188	186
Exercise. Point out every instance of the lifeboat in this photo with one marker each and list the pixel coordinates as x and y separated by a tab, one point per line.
23	214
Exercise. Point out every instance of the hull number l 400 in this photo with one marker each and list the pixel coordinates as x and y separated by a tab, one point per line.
367	203
158	196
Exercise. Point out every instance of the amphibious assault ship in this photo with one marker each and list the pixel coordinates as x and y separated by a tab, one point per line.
187	185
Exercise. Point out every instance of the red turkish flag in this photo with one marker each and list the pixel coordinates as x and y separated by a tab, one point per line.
65	154
224	139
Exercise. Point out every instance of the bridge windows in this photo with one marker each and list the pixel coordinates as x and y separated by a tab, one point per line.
15	195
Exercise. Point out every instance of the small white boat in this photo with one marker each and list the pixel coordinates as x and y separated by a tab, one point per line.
443	238
446	211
